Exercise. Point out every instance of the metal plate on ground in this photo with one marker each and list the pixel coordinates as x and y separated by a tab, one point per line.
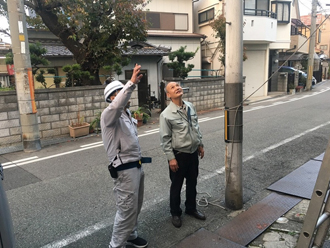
326	244
203	238
299	182
245	227
319	157
17	177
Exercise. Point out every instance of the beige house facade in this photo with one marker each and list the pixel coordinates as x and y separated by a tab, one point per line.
266	31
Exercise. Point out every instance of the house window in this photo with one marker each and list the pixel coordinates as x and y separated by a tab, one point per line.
282	9
206	16
324	47
167	21
256	7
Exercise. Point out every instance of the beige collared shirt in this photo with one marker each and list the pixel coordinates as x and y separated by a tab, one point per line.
178	131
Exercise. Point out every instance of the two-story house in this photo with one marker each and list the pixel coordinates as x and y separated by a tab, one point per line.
171	26
5	71
322	41
266	31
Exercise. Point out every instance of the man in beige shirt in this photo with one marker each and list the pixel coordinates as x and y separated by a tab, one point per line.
182	143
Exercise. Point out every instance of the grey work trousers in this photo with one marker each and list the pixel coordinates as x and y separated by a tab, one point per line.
128	192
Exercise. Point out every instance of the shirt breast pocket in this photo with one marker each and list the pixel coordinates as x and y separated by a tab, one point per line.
126	127
178	124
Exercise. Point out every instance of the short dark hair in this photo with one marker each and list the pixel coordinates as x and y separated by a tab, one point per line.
108	80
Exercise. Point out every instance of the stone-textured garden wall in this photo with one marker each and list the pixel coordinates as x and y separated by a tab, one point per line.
282	83
56	109
206	93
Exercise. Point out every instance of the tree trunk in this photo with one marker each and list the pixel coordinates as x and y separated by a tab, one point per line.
94	72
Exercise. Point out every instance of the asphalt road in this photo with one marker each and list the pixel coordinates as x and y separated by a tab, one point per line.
61	196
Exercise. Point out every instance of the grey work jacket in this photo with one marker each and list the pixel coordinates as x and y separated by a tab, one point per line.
178	131
119	133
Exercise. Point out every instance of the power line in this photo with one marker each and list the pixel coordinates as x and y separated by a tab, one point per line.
301	2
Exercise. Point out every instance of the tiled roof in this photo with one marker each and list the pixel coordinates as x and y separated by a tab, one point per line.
176	35
144	48
134	48
57	50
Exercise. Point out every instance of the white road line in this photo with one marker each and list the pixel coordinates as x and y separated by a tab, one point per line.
145	134
107	223
204	119
285	141
54	156
17	161
80	234
269	100
152	130
98	144
93	229
91	144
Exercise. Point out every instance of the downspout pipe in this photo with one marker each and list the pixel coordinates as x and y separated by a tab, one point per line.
160	75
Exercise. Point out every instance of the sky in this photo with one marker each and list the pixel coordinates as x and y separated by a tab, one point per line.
4	25
305	7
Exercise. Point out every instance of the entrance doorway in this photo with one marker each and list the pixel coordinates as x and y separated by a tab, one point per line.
143	89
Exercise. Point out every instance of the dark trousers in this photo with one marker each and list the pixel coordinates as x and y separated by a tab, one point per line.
188	169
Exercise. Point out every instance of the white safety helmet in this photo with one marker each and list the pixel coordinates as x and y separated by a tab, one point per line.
111	88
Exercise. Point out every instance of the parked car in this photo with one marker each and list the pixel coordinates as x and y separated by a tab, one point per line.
302	75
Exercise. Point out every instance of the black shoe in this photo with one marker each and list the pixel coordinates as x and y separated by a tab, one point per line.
198	215
176	221
138	242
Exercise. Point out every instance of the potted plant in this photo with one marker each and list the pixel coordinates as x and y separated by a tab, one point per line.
95	124
141	115
291	88
79	128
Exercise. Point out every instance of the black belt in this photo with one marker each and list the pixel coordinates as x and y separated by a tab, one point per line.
129	165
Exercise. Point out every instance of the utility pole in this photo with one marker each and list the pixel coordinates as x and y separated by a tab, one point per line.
23	76
233	104
311	47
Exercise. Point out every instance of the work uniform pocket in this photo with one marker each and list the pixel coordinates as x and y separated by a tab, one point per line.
122	192
127	127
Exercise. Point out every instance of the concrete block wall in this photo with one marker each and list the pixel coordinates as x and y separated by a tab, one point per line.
56	109
205	93
282	83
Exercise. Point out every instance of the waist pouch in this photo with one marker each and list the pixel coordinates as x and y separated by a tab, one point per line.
114	170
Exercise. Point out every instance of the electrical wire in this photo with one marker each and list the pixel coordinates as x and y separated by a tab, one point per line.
327	16
204	202
301	2
241	104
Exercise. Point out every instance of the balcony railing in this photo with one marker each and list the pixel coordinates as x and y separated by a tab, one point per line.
260	12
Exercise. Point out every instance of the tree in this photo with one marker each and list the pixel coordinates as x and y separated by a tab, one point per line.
179	66
37	53
219	27
74	75
95	31
117	65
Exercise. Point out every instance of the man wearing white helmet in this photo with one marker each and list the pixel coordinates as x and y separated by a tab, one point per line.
120	139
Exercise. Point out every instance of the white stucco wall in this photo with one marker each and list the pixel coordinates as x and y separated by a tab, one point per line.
255	69
204	5
176	43
148	63
173	6
259	29
283	37
209	52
